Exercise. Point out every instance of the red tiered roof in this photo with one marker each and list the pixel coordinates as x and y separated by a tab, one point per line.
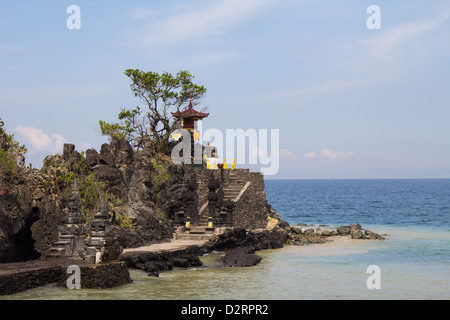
190	113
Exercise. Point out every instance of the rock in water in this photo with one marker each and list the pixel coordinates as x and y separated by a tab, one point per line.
356	234
241	257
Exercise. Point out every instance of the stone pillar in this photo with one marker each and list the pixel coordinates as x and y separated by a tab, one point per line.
191	201
213	185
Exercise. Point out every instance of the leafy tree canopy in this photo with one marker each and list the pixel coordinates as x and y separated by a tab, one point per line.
12	154
161	95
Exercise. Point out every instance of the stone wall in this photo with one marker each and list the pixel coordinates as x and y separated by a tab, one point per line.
202	187
251	209
23	277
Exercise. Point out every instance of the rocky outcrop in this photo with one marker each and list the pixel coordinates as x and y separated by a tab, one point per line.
102	276
20	189
241	257
303	234
357	232
129	181
16	218
259	239
10	284
155	263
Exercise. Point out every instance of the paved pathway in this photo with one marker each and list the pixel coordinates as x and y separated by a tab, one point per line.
166	246
36	265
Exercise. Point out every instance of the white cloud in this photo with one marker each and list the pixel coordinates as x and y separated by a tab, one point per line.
310	155
40	141
196	24
58	141
384	47
388	54
287	154
336	155
258	152
85	145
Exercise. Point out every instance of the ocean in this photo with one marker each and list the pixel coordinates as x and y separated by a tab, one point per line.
413	263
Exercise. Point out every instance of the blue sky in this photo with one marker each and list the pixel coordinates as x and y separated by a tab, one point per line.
349	102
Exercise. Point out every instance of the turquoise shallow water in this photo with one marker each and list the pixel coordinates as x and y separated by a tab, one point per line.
414	262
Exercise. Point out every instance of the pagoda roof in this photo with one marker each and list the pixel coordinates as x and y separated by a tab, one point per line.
190	112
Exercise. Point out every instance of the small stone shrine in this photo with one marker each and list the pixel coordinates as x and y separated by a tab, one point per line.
72	232
99	233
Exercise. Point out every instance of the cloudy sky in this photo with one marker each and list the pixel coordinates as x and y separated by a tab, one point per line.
349	101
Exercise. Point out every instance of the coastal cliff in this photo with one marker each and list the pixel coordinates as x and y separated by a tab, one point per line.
147	197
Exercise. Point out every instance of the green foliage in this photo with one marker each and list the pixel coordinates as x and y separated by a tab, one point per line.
159	214
162	94
58	177
161	176
66	179
124	221
113	200
81	165
7	164
91	192
113	130
12	159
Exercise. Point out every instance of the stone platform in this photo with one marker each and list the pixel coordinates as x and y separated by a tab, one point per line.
20	276
174	245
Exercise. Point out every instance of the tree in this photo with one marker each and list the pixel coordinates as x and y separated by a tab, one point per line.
12	154
161	95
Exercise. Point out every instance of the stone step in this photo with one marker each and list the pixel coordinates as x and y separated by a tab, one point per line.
233	197
66	237
234	184
56	252
231	193
187	236
198	230
61	244
234	189
234	192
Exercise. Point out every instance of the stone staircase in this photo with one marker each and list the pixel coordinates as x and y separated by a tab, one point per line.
234	190
199	232
62	247
196	233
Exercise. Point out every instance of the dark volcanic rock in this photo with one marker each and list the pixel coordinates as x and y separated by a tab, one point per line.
186	262
258	238
180	262
45	230
16	218
28	280
101	276
91	157
241	257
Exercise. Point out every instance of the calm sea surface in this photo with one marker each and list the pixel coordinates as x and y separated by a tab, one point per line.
414	262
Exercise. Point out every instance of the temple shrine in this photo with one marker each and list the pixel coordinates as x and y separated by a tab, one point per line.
188	119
